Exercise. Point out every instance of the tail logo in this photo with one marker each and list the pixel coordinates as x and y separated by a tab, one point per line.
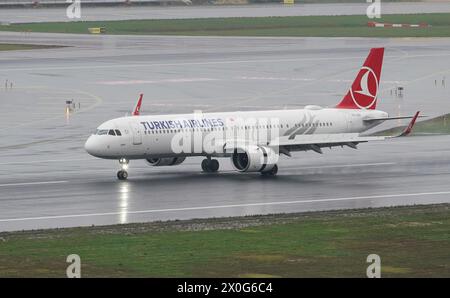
365	88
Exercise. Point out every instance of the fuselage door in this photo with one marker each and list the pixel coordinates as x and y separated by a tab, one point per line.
137	133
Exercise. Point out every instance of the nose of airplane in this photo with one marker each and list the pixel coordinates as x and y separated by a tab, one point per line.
90	146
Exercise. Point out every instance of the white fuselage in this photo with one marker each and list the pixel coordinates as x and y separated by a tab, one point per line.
152	136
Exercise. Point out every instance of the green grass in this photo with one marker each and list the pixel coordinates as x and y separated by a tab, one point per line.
438	125
264	26
344	1
412	242
14	47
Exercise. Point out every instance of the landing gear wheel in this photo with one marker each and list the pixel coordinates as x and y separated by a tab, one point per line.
272	172
122	175
205	165
210	165
214	165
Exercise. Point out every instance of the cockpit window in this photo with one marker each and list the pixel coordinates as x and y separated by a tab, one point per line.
102	132
111	132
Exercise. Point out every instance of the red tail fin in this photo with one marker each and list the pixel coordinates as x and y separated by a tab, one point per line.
137	109
364	90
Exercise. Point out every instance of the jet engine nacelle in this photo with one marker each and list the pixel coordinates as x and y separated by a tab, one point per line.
254	159
166	161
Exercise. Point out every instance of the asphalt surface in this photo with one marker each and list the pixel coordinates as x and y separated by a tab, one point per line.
47	180
22	15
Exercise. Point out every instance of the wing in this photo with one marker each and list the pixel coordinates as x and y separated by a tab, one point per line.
318	141
390	118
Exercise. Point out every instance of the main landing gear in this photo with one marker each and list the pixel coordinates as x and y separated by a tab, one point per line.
272	171
123	174
210	165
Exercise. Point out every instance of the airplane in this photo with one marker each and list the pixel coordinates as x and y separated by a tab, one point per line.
253	140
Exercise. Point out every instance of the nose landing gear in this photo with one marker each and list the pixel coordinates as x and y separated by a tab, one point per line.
123	174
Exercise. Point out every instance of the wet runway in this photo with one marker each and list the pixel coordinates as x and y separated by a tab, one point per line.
22	15
47	180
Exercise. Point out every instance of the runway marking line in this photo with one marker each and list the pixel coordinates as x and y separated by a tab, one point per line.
135	65
134	82
34	183
228	206
186	63
352	165
45	161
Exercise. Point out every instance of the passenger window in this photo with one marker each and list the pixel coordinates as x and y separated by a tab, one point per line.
118	132
111	132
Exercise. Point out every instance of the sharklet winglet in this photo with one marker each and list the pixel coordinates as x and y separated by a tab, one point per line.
137	108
